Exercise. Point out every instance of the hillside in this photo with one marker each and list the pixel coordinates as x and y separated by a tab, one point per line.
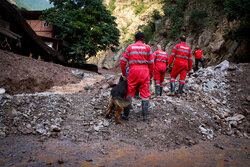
203	22
32	5
130	15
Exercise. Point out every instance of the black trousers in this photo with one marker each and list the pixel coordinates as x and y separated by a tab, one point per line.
197	63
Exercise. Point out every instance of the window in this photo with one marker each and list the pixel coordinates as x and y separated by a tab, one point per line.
45	24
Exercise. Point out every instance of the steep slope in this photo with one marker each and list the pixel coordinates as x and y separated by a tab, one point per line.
130	15
203	22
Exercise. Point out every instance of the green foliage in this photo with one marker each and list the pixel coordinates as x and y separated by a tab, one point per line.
240	10
139	6
237	9
196	20
149	28
175	13
33	4
112	6
219	4
86	24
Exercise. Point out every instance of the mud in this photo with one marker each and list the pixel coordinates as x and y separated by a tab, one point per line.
65	124
20	74
34	151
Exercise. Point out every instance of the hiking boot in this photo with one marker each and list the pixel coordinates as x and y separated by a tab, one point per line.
145	110
172	87
157	90
161	89
180	89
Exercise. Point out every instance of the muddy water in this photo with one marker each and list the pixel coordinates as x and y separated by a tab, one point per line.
74	88
36	151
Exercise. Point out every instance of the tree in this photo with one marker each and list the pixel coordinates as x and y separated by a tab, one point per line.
86	24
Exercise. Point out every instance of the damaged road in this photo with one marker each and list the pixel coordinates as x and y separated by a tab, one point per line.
214	109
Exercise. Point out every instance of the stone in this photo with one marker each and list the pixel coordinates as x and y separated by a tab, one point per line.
105	123
2	91
211	84
96	128
233	124
235	118
55	128
232	68
105	86
165	89
78	74
248	98
222	66
60	161
218	146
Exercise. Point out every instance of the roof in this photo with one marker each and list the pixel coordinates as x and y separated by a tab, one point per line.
31	15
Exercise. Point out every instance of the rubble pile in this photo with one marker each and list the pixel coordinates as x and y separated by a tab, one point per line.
40	113
204	112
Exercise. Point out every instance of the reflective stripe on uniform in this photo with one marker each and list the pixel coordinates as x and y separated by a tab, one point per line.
160	60
162	56
144	99
183	50
123	58
184	57
182	81
141	53
151	61
138	61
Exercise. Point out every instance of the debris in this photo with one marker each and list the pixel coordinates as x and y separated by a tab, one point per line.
218	146
55	128
78	74
222	66
236	117
89	160
2	91
60	161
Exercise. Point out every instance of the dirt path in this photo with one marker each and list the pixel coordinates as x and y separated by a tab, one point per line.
34	151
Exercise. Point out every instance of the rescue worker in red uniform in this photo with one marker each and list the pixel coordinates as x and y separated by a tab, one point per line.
182	64
140	59
161	62
198	58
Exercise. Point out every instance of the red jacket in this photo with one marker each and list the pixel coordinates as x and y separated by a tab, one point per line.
198	54
161	57
137	54
182	54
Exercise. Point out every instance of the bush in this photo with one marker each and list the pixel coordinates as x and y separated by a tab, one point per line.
196	20
112	6
237	9
175	13
149	28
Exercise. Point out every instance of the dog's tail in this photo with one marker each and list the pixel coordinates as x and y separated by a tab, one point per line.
123	102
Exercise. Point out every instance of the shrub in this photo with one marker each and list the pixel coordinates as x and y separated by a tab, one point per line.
149	28
175	13
196	20
112	6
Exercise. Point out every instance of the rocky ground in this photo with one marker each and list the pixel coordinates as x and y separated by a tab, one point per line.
216	103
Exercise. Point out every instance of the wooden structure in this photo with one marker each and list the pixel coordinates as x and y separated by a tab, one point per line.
16	33
44	30
17	36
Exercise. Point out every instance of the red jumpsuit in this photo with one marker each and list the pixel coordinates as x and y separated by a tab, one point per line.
140	59
198	54
182	63
161	61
